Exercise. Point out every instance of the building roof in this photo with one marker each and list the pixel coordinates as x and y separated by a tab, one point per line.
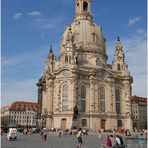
23	106
137	99
4	109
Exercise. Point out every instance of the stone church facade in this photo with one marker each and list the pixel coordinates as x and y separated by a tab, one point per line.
82	77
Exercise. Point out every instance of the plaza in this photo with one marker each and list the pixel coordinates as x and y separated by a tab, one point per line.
53	141
65	141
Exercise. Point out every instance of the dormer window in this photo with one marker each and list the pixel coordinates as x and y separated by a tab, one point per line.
78	7
94	37
85	6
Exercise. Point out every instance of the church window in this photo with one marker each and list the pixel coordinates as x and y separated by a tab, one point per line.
117	98
64	97
118	67
78	7
85	6
119	123
84	122
66	58
102	99
83	99
69	58
94	37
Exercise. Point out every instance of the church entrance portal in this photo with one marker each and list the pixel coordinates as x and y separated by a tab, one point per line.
103	124
63	124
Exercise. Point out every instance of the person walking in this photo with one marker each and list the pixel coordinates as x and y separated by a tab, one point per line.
45	134
108	143
79	136
117	140
99	136
41	134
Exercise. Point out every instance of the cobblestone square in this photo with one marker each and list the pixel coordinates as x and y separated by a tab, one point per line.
65	141
53	141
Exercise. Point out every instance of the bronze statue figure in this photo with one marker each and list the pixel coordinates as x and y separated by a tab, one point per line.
75	112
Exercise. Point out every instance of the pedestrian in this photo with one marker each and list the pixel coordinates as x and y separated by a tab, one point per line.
99	136
60	133
117	140
99	133
79	136
108	143
141	140
45	134
112	140
41	134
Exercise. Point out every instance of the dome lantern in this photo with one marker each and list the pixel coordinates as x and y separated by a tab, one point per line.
83	9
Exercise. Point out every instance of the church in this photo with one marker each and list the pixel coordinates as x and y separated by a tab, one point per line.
81	77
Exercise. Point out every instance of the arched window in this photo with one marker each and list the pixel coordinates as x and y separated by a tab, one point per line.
78	7
118	67
83	99
102	99
84	122
119	123
85	6
64	97
117	98
69	59
66	58
94	37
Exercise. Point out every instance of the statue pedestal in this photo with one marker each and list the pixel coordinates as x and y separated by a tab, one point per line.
74	124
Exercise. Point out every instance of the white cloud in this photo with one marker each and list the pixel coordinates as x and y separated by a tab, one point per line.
17	16
34	13
45	23
135	48
132	21
141	30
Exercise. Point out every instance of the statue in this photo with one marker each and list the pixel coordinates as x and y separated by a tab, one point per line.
75	112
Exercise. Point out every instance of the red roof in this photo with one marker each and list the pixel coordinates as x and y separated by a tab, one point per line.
23	106
138	99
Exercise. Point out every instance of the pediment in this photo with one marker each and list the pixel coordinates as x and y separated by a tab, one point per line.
105	73
64	73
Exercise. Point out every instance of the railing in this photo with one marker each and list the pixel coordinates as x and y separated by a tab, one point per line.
135	142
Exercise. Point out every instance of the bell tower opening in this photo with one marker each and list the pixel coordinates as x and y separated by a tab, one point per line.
85	6
83	9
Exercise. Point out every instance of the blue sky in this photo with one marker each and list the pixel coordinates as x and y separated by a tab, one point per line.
30	26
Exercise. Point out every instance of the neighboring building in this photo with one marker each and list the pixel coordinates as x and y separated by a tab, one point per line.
82	77
4	116
139	112
21	114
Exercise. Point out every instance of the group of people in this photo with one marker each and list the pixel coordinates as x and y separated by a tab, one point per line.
111	140
27	131
114	139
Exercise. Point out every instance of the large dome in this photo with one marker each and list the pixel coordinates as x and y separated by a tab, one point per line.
86	36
